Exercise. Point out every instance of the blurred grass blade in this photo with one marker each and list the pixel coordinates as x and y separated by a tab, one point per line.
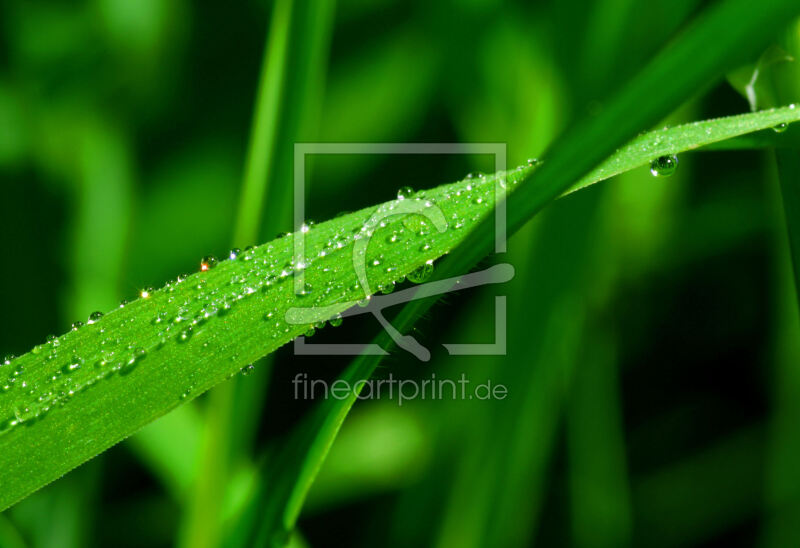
728	33
219	448
265	123
789	175
294	60
782	478
601	512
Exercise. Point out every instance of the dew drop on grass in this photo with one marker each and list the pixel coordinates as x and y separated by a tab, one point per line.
421	274
94	317
246	370
23	412
336	321
233	253
405	192
386	288
186	334
780	128
208	263
664	166
138	355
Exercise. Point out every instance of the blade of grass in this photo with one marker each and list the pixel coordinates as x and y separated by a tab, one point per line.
75	395
789	176
321	429
601	513
782	489
146	365
260	152
725	35
670	141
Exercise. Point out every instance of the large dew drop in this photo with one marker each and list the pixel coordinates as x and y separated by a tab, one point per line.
208	263
405	192
421	274
94	316
664	166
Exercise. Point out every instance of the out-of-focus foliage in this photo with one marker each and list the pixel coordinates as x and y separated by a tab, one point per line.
652	325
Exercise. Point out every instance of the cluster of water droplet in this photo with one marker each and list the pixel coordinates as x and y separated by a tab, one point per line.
392	244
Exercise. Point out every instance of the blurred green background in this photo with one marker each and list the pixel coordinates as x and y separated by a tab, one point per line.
653	363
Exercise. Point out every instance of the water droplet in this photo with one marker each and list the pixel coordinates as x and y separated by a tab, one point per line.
186	334
363	303
74	364
780	128
664	166
387	288
208	263
94	317
405	192
123	303
233	253
533	161
336	321
24	412
246	370
421	274
138	355
310	331
146	293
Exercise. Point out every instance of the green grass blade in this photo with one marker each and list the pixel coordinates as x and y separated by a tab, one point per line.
726	35
265	123
783	445
296	473
74	396
671	141
789	175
